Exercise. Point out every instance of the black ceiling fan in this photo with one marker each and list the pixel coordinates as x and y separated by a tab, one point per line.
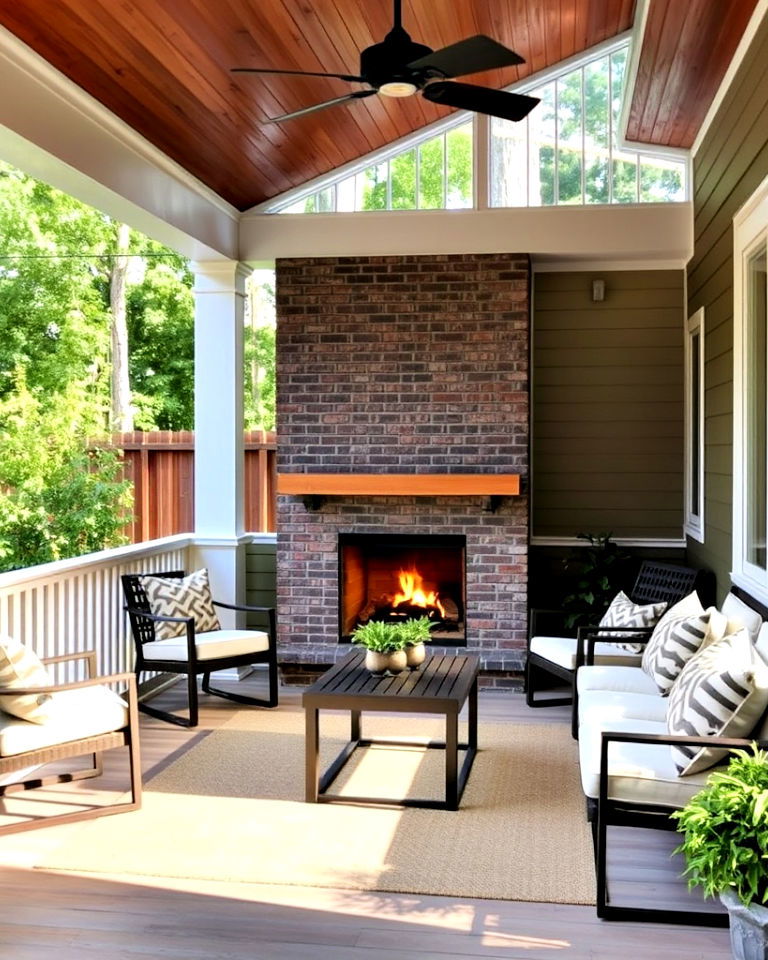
398	67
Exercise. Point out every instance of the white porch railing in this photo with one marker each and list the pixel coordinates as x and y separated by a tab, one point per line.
77	604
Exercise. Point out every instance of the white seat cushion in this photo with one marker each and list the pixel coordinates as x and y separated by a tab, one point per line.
74	714
562	651
602	707
639	772
209	646
739	614
618	679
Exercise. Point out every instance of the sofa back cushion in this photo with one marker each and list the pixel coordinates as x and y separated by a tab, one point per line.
722	691
21	667
741	615
683	630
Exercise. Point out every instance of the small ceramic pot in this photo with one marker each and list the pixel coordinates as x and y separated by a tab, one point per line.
415	655
393	662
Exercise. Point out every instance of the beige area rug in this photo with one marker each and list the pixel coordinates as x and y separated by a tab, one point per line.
231	808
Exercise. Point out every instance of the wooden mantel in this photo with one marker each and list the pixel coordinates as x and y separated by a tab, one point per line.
399	484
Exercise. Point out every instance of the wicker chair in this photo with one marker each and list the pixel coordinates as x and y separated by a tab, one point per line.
189	655
90	710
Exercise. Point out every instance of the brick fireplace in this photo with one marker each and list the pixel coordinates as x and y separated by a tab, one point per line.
417	366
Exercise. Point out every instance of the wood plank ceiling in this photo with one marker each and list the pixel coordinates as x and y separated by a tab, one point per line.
163	66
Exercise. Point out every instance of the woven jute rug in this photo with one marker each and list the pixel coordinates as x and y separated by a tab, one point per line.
231	808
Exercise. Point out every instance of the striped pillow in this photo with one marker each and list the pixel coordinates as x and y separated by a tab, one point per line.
188	596
21	667
677	637
623	613
722	691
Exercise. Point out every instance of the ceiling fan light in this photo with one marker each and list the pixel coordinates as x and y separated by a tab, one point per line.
398	88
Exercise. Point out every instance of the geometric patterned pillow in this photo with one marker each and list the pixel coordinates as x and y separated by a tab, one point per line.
675	639
722	691
21	667
188	596
623	613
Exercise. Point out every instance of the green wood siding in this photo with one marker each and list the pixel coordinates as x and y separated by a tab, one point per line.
607	412
260	576
730	165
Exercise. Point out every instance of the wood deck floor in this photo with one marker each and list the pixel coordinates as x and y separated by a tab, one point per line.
84	917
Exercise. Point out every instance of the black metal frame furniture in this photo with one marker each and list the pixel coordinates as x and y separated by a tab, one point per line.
441	686
143	627
126	736
606	812
656	582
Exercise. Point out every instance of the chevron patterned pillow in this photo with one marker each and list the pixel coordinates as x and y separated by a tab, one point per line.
623	613
722	691
188	596
681	632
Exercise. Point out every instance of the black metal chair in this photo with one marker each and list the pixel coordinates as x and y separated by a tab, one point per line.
149	652
558	656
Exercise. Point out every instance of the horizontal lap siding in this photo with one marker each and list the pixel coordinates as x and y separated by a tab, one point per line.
607	432
729	166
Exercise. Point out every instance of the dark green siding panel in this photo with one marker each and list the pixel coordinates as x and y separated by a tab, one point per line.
260	576
608	404
730	165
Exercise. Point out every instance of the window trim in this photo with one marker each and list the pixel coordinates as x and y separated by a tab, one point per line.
694	519
750	231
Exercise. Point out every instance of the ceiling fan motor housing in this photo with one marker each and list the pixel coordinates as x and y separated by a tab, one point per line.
388	61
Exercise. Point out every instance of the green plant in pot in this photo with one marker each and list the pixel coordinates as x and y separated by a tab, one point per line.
725	829
415	633
384	646
596	571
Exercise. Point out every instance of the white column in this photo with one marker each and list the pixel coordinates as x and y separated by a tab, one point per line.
219	487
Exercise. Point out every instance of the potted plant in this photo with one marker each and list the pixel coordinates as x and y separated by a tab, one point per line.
384	646
597	571
415	633
725	828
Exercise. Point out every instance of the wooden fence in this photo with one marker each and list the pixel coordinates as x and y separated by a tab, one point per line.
162	467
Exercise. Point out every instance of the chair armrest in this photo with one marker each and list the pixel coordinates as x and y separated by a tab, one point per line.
158	617
247	607
669	739
88	655
128	678
537	614
588	637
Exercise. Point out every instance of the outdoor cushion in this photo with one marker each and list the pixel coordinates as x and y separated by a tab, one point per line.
740	615
217	643
602	707
188	596
618	679
75	714
622	612
722	691
562	651
680	633
21	667
640	772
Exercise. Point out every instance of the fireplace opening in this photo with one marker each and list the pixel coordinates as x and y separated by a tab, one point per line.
390	577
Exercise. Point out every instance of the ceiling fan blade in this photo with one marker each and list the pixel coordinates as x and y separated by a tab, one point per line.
357	95
468	56
468	96
298	73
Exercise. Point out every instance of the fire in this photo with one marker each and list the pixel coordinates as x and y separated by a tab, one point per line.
413	591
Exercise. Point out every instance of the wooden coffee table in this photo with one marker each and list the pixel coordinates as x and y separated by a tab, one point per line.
441	686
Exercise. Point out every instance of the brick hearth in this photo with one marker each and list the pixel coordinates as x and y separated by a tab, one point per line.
403	365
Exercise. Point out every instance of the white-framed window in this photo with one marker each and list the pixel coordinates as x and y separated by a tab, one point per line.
694	426
750	396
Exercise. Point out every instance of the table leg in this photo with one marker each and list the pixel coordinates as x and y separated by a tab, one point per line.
312	754
472	717
452	761
354	725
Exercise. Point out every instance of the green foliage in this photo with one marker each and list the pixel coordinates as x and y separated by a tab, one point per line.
259	354
378	636
597	572
725	829
415	631
57	498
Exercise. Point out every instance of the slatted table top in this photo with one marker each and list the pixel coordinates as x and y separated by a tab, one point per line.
442	683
